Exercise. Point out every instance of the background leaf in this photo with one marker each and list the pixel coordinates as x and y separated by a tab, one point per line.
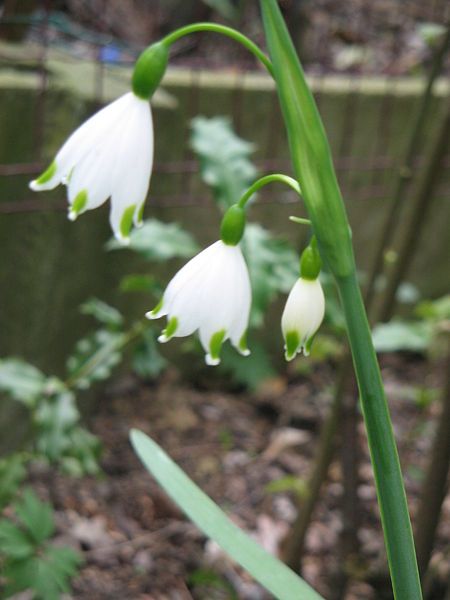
225	8
273	267
36	516
12	473
159	241
251	370
14	542
94	357
147	361
413	336
104	313
224	159
21	381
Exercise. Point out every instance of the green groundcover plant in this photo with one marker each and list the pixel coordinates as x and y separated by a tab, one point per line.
110	156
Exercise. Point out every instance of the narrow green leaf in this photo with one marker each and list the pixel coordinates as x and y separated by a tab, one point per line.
309	149
274	575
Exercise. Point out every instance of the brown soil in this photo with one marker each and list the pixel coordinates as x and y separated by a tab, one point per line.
137	544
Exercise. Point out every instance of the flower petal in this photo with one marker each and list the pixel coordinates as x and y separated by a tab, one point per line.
133	164
81	142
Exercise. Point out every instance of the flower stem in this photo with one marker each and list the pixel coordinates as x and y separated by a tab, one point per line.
383	451
313	167
273	178
224	30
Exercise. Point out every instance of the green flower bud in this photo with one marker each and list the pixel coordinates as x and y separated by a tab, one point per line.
149	70
233	225
310	261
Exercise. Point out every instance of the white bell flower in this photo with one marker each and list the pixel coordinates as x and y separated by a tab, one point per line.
302	316
110	155
210	293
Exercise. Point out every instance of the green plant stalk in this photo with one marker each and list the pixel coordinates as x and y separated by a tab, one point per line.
314	170
235	35
272	178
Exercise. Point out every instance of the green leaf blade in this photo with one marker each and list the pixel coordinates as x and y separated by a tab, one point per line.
271	573
14	542
21	381
36	516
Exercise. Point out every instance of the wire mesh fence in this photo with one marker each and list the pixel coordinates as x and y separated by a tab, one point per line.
375	108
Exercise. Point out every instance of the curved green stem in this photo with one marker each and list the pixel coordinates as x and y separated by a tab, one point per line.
273	178
228	31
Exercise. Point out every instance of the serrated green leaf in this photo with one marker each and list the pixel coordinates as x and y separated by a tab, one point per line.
147	361
94	358
82	453
273	268
19	575
224	159
36	516
402	335
274	575
104	313
21	381
47	575
12	473
159	241
53	419
14	542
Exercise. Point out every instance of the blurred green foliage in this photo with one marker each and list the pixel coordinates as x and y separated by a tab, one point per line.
424	333
28	559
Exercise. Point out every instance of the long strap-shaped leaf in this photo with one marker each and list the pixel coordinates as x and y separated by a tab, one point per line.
275	576
313	168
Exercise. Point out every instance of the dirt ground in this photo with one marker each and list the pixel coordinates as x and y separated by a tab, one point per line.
136	543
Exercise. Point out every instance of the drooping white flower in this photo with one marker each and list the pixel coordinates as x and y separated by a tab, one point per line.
210	293
110	155
302	316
